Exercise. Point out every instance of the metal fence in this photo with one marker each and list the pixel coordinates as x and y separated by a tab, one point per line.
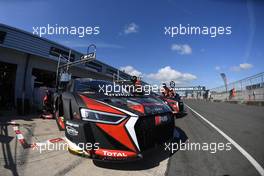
250	89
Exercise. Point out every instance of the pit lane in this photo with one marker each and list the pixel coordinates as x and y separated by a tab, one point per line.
18	160
245	124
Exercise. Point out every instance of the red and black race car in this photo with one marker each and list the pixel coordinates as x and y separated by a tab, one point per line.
115	126
175	103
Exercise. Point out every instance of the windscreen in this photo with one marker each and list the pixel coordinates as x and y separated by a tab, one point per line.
101	87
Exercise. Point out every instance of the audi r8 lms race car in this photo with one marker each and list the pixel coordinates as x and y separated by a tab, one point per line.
174	102
172	99
131	88
119	126
177	106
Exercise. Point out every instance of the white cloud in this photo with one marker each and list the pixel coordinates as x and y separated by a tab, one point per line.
167	74
246	66
241	67
131	28
218	68
130	70
182	49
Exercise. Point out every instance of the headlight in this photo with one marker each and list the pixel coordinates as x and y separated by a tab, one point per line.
103	117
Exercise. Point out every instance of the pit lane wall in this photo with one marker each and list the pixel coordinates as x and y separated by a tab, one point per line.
249	91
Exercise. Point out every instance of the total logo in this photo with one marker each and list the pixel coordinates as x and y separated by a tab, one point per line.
115	154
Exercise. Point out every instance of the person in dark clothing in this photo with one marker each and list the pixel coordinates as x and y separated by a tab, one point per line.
166	90
47	103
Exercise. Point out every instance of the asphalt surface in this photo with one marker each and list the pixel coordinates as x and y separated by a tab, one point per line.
244	124
17	161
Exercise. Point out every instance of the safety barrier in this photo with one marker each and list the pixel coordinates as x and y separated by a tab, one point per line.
248	89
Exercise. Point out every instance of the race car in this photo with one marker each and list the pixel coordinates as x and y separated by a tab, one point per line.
175	103
116	126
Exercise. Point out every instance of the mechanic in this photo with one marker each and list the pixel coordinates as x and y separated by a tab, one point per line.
171	93
47	103
166	90
232	93
137	85
207	95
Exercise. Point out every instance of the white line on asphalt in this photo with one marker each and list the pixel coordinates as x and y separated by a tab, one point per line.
239	148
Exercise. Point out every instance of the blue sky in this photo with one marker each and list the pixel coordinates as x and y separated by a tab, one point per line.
132	35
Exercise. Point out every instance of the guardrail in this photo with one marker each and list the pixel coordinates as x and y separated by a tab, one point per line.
248	89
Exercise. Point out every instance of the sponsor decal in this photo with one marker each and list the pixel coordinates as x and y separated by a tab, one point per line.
115	153
161	119
72	124
157	109
71	131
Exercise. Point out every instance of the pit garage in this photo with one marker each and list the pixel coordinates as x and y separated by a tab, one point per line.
28	67
7	85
